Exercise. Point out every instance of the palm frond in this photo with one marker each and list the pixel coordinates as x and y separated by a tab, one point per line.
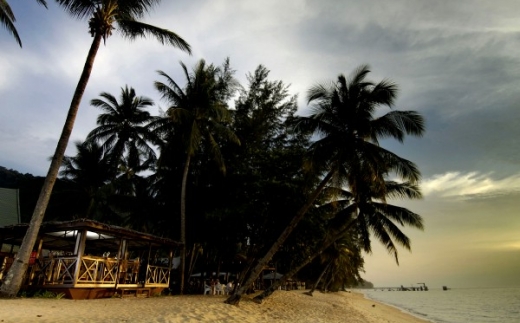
384	93
403	190
401	215
133	29
136	8
7	19
42	2
358	76
80	9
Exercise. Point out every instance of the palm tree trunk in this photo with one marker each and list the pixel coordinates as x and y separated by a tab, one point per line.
13	280
193	259
326	286
318	280
327	243
183	221
235	298
90	207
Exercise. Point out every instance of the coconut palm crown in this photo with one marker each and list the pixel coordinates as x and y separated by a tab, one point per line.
122	128
104	14
343	118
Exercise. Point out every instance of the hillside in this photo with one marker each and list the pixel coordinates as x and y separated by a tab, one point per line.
10	178
61	205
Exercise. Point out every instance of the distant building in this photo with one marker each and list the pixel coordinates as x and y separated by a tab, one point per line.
9	207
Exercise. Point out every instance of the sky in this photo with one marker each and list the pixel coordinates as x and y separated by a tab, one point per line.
455	62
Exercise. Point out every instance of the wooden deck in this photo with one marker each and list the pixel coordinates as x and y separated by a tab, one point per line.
68	260
94	272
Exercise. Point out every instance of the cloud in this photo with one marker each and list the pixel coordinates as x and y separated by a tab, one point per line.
513	244
469	185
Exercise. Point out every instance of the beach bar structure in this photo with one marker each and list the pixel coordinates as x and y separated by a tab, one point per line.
88	259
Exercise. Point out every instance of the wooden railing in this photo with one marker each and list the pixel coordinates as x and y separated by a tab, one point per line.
129	272
56	271
93	272
157	275
96	270
6	260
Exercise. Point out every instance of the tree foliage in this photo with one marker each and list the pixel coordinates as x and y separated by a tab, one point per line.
103	16
232	202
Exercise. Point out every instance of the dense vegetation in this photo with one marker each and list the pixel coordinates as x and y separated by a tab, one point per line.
129	172
232	171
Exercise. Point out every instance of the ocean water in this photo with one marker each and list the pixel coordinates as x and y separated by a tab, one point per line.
465	305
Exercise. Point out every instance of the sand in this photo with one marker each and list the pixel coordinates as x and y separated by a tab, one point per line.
282	306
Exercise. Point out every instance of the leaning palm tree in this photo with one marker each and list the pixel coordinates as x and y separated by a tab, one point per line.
354	211
7	18
103	16
199	114
344	120
341	261
329	263
123	129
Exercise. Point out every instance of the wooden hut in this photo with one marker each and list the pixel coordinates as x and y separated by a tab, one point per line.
88	259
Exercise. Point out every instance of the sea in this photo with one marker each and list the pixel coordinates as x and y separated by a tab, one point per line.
455	305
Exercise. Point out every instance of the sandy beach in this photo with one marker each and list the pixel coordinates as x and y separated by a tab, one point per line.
282	306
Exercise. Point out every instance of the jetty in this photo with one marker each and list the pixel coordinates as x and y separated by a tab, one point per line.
401	288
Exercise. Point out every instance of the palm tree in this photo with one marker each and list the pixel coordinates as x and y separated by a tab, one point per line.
353	212
7	18
89	170
329	262
123	130
375	216
343	118
136	203
102	16
348	263
198	113
342	261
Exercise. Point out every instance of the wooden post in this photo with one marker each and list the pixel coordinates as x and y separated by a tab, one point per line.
170	265
121	260
39	251
170	260
79	250
147	264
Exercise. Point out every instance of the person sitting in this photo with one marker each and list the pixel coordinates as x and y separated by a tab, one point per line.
212	283
219	288
229	288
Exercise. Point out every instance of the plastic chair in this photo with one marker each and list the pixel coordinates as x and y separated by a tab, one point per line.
207	289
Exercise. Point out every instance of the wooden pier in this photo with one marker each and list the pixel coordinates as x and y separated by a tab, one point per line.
401	288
